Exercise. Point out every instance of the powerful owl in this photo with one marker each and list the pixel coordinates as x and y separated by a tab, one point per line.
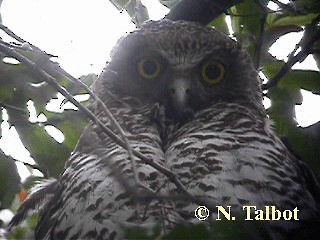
189	99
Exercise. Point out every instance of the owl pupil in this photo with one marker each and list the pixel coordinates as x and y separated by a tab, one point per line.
213	71
149	67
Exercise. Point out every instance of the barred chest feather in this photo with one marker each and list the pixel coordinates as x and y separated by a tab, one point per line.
94	186
229	156
225	156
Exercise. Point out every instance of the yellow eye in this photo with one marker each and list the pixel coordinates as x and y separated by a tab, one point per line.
212	72
149	68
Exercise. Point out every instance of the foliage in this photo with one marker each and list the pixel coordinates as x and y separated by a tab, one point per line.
20	88
219	230
9	180
253	24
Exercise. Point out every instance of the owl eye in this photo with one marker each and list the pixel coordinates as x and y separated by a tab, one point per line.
212	72
149	68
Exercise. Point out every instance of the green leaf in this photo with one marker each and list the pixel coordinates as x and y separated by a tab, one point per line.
302	141
47	153
306	5
9	180
199	232
304	79
136	10
218	230
271	35
25	230
305	143
149	232
220	24
246	20
125	4
169	3
287	20
18	85
283	100
282	110
295	79
76	89
71	123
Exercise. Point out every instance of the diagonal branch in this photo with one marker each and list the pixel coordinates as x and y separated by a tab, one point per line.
11	34
201	11
306	49
33	166
260	42
53	82
48	68
8	106
286	7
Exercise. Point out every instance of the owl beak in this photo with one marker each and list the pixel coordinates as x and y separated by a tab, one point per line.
180	91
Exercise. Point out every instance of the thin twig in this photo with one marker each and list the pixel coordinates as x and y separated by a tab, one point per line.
124	182
109	114
251	14
52	82
286	7
11	107
113	122
11	34
261	35
293	58
292	8
33	166
19	39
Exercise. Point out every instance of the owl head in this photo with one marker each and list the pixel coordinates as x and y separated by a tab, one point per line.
182	66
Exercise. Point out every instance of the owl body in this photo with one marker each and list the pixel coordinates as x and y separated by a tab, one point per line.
93	179
239	164
188	98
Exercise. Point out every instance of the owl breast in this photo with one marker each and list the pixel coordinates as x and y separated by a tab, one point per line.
103	172
227	156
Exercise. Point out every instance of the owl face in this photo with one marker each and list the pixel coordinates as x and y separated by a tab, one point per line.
183	66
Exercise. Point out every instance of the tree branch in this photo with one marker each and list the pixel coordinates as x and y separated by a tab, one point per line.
201	11
50	69
8	106
259	45
11	34
53	82
306	45
33	166
286	7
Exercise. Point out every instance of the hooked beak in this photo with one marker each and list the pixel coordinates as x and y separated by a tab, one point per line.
180	98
